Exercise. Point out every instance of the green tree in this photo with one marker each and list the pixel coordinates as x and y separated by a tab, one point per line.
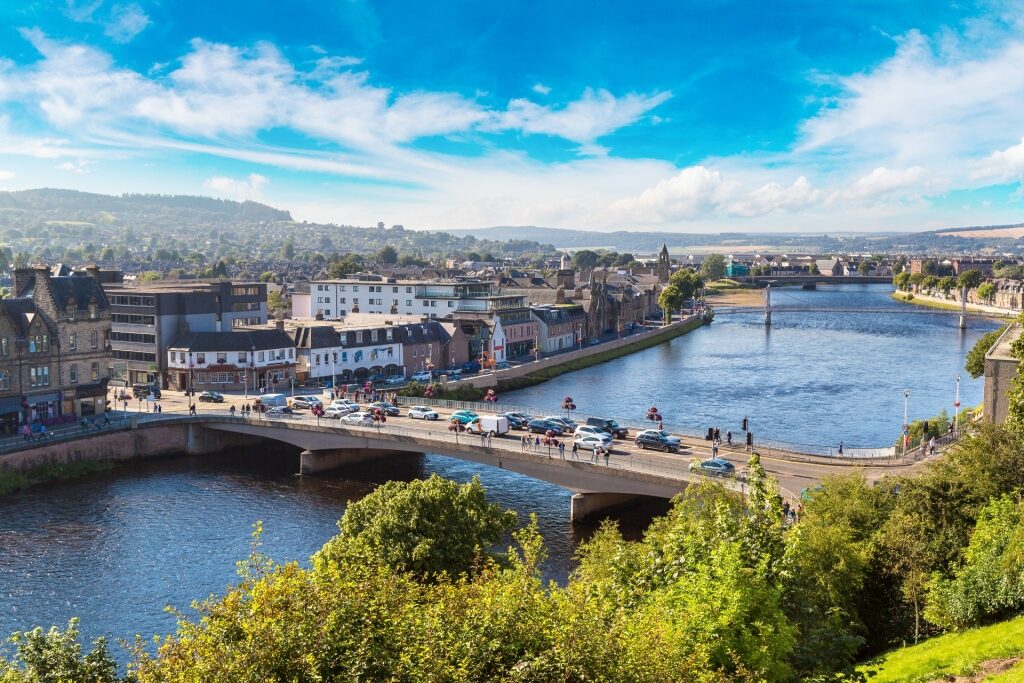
342	267
268	276
987	291
288	250
969	279
388	255
669	300
864	267
929	282
902	280
56	656
975	363
107	254
946	284
275	302
713	267
585	258
150	276
426	527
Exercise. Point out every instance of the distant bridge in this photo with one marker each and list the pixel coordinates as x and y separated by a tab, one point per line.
914	310
793	280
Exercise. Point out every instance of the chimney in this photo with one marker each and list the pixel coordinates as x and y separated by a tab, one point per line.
279	325
21	278
41	295
93	271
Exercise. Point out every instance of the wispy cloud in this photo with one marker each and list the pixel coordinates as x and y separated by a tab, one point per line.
239	190
126	22
6	175
541	89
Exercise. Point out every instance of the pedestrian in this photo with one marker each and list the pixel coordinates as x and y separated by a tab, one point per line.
232	411
950	427
931	446
26	432
42	431
714	449
728	438
191	408
785	509
536	444
594	454
799	511
718	436
561	450
490	435
522	442
575	450
840	449
607	452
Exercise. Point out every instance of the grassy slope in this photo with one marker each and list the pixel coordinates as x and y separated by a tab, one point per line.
954	653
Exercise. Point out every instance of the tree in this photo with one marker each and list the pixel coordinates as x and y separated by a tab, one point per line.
946	284
426	527
813	269
929	282
687	282
987	291
275	302
969	279
56	656
268	276
388	255
975	363
901	280
585	258
350	263
671	299
864	267
713	267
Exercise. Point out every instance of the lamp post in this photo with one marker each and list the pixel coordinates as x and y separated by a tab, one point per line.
191	379
334	370
906	425
956	408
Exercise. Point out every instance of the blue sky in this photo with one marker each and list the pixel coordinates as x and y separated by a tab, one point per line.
679	116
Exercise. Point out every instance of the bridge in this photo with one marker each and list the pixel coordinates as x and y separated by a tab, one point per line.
808	278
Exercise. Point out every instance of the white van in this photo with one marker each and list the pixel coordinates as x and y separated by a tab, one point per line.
484	424
274	400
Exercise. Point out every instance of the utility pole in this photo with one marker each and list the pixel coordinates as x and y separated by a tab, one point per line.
963	308
768	305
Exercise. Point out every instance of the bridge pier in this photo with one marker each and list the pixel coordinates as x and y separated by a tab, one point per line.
586	505
322	460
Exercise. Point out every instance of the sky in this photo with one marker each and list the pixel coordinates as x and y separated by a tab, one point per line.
678	116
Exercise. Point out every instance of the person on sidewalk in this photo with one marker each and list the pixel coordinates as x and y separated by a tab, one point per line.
840	449
191	408
561	450
575	450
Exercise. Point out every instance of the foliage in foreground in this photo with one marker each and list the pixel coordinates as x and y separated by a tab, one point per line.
56	656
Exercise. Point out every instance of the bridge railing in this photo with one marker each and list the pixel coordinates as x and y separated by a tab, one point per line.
768	446
64	433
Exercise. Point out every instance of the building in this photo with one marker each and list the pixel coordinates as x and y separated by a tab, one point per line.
560	326
146	318
736	269
54	347
983	265
1001	368
334	299
231	360
832	267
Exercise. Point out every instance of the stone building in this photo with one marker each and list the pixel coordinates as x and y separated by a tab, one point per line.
1000	371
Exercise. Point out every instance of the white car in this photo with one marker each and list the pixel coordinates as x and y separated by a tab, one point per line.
421	376
422	413
345	403
362	419
587	430
336	412
589	442
396	379
663	433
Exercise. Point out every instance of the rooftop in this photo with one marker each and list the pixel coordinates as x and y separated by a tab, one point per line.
1001	349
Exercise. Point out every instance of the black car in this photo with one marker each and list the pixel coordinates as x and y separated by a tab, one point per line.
542	426
609	425
389	409
656	441
211	397
517	420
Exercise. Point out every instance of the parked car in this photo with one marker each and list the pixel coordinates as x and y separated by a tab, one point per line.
594	341
609	425
304	402
376	378
143	390
395	379
345	403
517	420
210	397
653	439
471	367
496	425
502	365
463	416
591	442
542	425
360	419
279	411
587	430
422	413
421	376
389	409
453	373
567	424
661	433
714	467
336	412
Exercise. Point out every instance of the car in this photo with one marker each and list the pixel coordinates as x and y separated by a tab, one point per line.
421	376
422	413
542	425
495	425
361	419
594	341
713	467
587	430
453	373
336	412
502	365
376	378
662	433
517	420
345	403
279	411
471	367
389	409
609	425
395	379
463	416
210	397
592	442
304	402
567	424
653	439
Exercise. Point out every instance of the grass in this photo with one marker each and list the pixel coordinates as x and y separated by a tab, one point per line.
941	305
957	654
12	481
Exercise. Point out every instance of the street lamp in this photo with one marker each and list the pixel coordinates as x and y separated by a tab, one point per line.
334	370
906	425
191	381
956	408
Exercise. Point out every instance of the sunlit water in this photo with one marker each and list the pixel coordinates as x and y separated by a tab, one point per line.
115	548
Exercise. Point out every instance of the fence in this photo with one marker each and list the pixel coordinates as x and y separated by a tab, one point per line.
64	433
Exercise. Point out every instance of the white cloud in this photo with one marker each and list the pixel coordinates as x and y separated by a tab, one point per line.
541	89
126	22
6	175
883	181
1001	166
239	190
78	166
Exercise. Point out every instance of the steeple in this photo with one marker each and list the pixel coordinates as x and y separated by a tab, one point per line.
664	267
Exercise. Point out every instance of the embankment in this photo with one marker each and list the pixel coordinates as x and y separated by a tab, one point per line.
945	305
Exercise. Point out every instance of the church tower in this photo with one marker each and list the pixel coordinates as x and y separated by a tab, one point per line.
664	267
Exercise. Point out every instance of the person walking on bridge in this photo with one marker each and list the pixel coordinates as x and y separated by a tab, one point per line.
840	449
714	449
561	450
575	450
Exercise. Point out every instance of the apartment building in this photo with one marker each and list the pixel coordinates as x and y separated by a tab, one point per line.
335	299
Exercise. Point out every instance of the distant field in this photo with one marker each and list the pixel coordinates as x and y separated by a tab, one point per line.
1012	233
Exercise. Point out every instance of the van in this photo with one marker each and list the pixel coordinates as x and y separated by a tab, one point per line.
274	400
496	425
143	390
609	425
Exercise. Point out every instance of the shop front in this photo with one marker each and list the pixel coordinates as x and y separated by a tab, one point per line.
10	415
90	399
43	407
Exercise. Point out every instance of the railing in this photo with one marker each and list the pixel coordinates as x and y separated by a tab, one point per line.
64	433
767	446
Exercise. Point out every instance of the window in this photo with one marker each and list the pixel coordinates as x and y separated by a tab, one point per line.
5	380
355	288
95	372
355	302
222	357
136	355
451	304
408	290
341	288
5	349
94	340
201	358
132	319
341	300
394	290
174	356
344	356
394	302
242	357
38	343
388	333
39	377
373	335
262	356
319	299
317	357
131	337
202	377
291	353
359	336
327	299
433	304
73	373
408	302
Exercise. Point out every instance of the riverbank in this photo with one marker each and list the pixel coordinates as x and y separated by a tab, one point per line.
932	302
12	481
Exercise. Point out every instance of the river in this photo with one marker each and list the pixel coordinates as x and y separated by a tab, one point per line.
114	548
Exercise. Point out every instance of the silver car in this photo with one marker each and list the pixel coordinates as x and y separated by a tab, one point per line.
422	413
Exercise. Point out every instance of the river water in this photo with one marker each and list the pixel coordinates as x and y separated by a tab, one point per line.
115	548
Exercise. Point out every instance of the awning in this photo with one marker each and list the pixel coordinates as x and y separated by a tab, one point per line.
10	405
88	390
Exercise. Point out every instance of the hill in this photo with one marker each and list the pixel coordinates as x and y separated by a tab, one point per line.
990	653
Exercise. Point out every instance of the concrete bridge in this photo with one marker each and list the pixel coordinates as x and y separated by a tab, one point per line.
808	278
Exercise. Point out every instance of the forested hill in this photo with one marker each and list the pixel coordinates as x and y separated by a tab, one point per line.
69	205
